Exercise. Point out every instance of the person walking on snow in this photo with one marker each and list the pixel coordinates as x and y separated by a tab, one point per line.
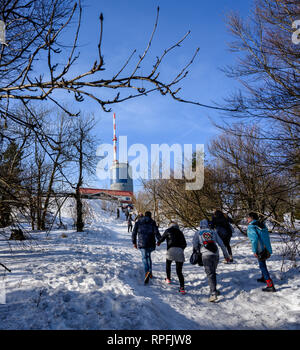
205	241
126	212
221	223
145	231
259	237
129	222
176	244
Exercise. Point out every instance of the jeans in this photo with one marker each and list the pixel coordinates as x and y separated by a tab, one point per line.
178	271
146	257
210	263
264	270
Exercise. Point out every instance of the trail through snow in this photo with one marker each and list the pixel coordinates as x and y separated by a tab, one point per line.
94	280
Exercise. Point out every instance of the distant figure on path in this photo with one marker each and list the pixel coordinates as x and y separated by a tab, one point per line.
129	222
145	231
126	212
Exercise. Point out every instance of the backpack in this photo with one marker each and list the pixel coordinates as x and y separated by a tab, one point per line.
264	254
208	241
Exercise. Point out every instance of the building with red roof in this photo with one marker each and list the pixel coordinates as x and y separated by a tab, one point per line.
124	197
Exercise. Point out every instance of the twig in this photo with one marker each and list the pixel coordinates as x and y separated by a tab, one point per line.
6	268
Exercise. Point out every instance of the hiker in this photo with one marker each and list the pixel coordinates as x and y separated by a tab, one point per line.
126	212
205	241
145	230
221	223
176	244
129	222
259	237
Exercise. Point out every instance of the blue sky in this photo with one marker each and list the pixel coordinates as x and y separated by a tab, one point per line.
128	26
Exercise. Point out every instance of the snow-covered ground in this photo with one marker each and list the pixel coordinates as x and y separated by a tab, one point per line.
94	280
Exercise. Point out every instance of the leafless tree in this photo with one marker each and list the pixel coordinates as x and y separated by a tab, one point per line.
45	168
82	159
33	31
251	184
174	202
268	69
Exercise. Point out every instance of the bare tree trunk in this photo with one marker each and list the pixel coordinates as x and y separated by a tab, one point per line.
79	206
32	210
79	212
39	198
49	192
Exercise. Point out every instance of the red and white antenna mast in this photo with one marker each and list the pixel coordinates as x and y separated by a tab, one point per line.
115	140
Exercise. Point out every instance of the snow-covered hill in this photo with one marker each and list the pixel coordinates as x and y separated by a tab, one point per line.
94	280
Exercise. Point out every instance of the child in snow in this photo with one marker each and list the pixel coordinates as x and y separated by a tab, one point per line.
259	237
176	244
205	240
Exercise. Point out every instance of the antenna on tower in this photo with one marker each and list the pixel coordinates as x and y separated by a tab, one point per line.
121	179
115	139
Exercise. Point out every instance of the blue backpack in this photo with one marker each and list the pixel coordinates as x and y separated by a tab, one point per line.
264	254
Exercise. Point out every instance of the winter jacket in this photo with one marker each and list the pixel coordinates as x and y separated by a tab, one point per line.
201	236
145	230
222	225
174	237
259	237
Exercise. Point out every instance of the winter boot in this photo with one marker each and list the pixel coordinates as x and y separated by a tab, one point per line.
168	280
147	276
213	298
230	258
270	287
181	290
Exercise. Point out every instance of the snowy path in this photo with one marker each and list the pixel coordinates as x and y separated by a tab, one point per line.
94	280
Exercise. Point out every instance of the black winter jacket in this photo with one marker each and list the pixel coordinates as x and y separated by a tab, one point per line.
145	230
221	224
174	237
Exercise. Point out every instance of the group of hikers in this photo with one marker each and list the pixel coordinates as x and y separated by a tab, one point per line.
212	233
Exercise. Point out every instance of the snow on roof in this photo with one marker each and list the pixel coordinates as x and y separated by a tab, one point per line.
111	192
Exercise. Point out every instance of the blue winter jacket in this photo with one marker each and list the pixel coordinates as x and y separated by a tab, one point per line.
259	237
146	231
